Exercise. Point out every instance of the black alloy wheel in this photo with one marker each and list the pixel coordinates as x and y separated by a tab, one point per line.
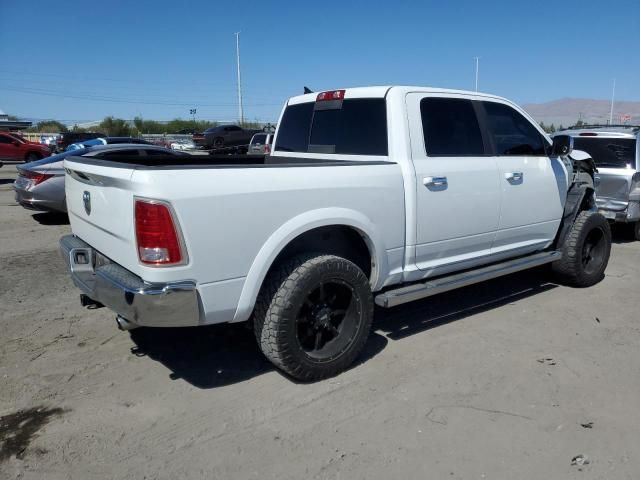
313	315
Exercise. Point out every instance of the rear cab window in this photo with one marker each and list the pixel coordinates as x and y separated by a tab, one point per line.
609	152
353	126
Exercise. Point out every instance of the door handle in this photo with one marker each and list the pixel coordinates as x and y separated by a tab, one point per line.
435	181
514	176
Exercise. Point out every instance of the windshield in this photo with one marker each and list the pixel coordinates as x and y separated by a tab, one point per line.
258	139
609	152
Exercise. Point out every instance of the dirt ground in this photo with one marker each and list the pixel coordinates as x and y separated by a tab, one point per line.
508	380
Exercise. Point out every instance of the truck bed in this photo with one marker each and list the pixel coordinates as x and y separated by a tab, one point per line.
170	162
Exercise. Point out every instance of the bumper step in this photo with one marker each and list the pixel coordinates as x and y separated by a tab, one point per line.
416	291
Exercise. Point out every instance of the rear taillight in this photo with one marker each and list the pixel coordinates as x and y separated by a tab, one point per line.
267	149
36	177
157	234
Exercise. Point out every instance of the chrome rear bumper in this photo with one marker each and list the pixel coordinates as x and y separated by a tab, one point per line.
173	304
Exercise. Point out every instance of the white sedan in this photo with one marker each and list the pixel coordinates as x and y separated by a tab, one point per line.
182	145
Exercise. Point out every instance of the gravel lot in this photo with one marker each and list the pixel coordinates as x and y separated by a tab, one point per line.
510	379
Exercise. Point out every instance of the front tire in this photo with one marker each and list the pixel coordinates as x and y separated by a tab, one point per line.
585	252
32	157
313	315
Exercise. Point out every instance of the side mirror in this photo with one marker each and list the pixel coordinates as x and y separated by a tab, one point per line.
15	143
562	145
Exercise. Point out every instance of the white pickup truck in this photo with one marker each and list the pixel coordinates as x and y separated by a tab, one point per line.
372	195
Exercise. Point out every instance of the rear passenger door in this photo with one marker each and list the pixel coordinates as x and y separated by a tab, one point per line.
458	196
532	185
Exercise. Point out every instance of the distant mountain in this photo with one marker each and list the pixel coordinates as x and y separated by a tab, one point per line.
567	111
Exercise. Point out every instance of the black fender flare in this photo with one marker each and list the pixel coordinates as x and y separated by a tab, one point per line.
581	196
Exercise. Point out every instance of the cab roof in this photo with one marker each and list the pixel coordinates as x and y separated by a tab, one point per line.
381	92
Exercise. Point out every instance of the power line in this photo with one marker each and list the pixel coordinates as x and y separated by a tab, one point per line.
126	82
100	98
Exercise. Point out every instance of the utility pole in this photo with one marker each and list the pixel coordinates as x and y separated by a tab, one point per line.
477	69
613	95
240	112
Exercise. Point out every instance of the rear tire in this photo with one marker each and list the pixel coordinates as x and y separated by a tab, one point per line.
218	142
313	315
636	230
586	250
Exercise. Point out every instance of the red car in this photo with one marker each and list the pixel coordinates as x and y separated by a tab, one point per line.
14	147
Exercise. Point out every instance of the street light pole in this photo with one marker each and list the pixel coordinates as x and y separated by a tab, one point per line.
240	112
613	94
477	69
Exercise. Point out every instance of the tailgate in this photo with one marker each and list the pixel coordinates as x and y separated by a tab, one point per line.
100	206
613	187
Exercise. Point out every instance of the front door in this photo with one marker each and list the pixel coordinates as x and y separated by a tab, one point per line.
458	195
533	186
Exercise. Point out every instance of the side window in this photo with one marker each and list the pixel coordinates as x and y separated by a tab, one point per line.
512	133
155	153
450	127
5	139
108	155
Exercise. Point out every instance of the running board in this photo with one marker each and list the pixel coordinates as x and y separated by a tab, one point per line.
416	291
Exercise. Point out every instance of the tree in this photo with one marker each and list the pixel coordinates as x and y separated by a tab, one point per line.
49	126
115	127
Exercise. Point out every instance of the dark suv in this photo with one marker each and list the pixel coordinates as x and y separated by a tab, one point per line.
66	139
224	136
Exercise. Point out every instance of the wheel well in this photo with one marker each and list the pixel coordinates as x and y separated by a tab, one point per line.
589	200
37	154
339	240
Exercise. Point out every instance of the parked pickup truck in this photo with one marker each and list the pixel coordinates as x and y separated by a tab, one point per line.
616	153
376	195
224	136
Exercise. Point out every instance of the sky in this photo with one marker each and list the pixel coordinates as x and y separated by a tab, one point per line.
72	61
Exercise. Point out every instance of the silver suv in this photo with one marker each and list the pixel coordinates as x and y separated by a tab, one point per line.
616	152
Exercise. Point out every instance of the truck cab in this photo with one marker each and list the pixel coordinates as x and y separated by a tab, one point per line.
475	168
